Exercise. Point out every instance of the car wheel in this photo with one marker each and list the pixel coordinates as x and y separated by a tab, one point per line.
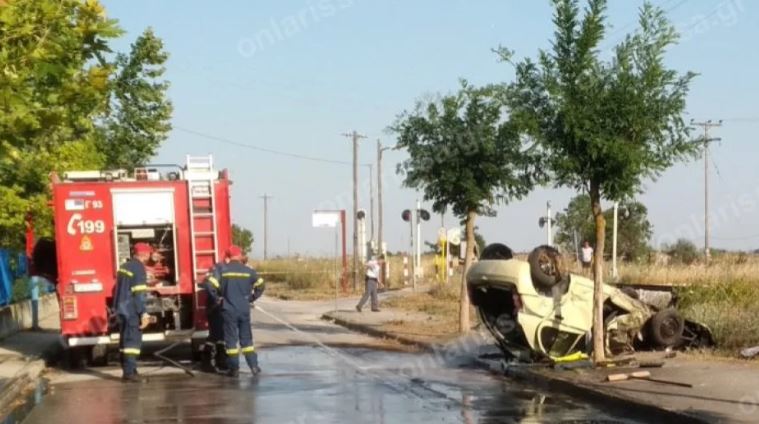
497	251
547	267
666	328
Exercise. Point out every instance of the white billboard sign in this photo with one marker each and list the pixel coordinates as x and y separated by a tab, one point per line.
325	219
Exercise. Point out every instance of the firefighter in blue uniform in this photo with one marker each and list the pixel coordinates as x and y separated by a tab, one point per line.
214	352
239	287
129	305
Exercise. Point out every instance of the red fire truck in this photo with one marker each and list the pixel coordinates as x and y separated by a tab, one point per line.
99	215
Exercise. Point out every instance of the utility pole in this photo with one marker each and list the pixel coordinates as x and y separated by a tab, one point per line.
371	203
707	125
266	198
355	137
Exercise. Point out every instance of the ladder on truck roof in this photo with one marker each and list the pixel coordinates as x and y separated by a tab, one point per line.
201	179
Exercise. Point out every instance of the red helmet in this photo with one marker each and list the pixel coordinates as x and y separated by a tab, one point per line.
140	248
234	251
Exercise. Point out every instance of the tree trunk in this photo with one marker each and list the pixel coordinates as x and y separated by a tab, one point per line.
599	347
464	325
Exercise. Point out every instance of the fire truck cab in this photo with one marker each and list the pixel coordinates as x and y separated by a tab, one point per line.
99	216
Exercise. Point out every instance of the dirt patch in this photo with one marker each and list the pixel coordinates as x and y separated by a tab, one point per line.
440	304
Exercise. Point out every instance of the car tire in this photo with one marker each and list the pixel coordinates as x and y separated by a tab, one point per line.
547	267
666	328
497	251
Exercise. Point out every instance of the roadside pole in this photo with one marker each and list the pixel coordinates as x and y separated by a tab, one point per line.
412	253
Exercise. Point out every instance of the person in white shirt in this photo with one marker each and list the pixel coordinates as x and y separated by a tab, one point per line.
587	255
371	286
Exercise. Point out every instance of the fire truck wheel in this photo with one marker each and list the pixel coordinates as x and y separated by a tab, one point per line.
74	358
97	356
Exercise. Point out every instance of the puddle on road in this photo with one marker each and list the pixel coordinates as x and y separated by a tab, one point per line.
27	404
312	385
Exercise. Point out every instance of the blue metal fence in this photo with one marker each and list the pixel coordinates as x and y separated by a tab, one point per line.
10	271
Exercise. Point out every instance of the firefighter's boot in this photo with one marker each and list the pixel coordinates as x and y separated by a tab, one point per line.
251	357
221	358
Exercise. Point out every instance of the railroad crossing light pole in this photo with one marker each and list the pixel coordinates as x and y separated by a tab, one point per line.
547	223
408	216
707	125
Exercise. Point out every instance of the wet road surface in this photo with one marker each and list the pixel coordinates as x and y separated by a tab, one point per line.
313	385
307	379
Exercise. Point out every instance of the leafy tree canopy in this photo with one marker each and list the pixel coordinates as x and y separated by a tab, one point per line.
242	237
55	85
463	156
139	110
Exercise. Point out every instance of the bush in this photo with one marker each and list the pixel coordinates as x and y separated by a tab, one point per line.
21	290
729	309
683	251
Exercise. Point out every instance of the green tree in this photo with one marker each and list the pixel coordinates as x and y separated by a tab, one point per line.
242	237
53	82
683	251
605	125
634	229
463	156
139	111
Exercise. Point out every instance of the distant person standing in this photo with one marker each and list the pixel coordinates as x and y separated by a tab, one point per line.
371	285
587	256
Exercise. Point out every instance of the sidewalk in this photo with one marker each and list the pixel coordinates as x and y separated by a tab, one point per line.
22	359
723	391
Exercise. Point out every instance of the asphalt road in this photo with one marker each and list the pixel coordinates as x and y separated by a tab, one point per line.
362	380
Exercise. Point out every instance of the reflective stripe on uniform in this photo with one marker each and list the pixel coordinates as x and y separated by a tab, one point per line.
139	288
126	272
130	351
235	275
233	351
259	283
214	282
249	349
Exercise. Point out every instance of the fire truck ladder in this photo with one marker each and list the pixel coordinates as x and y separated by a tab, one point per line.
200	178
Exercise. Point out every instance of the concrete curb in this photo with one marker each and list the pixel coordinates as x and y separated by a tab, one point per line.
553	383
374	332
17	389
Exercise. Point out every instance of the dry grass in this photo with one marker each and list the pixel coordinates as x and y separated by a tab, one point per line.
314	278
723	295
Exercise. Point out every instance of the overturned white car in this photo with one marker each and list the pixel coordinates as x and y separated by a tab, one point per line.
536	310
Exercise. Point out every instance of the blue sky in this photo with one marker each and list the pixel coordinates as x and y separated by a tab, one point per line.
292	75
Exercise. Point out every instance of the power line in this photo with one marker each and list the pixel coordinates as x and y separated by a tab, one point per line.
262	149
743	119
634	22
755	236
